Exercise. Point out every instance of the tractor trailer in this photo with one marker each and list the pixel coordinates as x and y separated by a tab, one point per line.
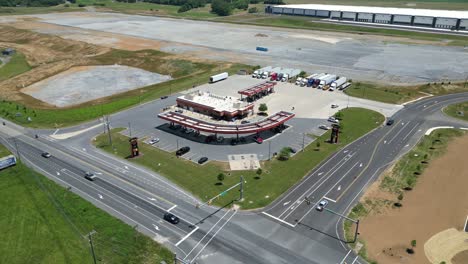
338	83
316	80
218	77
325	82
258	73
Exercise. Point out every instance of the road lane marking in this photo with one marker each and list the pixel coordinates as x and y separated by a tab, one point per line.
58	173
57	130
403	128
151	199
286	203
168	210
276	218
100	196
354	259
343	260
409	133
331	200
156	227
187	236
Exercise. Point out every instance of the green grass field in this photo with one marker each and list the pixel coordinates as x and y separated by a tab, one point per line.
42	222
431	4
15	66
404	174
455	110
277	175
400	94
37	10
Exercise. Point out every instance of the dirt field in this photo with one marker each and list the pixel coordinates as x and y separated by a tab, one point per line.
439	202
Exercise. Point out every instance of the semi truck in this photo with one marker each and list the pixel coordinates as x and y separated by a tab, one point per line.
279	77
274	73
273	76
317	78
338	83
326	81
298	80
305	80
218	77
258	73
291	74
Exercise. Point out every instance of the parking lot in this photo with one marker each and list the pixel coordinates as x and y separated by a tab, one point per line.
311	106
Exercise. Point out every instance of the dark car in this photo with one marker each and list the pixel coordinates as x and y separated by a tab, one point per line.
390	122
245	121
90	176
171	218
202	160
182	151
46	155
164	97
210	138
234	141
293	150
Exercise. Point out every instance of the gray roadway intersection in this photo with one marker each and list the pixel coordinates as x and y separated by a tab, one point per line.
139	197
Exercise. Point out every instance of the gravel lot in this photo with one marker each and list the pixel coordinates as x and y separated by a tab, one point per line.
363	59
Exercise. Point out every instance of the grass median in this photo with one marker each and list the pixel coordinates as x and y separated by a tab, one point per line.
259	190
42	222
459	111
402	177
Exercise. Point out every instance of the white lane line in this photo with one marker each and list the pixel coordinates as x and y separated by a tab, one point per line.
331	200
168	210
276	218
286	203
186	236
58	173
100	196
201	250
409	133
207	233
156	227
57	130
343	260
403	128
354	259
324	178
333	187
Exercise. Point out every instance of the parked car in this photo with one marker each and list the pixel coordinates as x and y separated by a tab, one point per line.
390	122
171	218
164	97
293	150
202	160
234	141
334	106
220	139
210	138
182	151
154	141
179	111
324	127
90	176
189	130
321	205
245	121
258	139
46	155
175	127
333	120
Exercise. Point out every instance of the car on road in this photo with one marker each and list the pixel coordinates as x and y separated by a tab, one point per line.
321	205
171	218
46	155
333	120
153	141
182	151
258	139
90	176
334	106
324	127
390	122
202	160
164	97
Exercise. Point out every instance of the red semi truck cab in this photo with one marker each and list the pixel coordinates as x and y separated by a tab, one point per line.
273	76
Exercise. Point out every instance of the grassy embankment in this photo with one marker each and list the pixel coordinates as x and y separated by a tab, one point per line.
42	222
37	10
400	94
277	175
185	73
458	111
15	66
402	177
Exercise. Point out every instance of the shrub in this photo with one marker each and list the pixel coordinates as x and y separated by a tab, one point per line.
263	108
253	10
81	5
221	177
285	153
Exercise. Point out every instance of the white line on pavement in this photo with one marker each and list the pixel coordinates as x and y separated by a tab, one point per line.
276	218
342	261
354	259
175	205
186	236
331	200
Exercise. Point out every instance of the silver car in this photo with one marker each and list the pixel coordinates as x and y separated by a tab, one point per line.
321	205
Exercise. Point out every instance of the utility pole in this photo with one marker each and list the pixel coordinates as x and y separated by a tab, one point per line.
303	141
269	150
90	239
17	150
241	190
130	129
108	130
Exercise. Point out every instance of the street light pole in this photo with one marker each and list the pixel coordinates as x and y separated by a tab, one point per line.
269	150
303	141
356	233
90	239
241	190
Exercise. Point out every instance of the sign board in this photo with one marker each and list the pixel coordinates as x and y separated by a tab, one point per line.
7	161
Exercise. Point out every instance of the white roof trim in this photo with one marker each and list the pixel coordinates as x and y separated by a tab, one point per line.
384	10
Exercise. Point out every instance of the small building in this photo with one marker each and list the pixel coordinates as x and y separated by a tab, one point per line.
8	51
221	107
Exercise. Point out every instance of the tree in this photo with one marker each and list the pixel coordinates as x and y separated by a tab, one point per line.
253	10
413	243
221	177
400	197
302	74
258	172
221	7
263	108
317	145
241	4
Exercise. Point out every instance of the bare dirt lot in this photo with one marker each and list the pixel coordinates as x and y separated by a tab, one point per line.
438	202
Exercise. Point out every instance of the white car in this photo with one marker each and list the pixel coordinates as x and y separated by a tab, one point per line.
321	205
333	120
153	141
324	127
334	106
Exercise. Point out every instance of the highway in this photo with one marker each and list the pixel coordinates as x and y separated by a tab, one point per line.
289	230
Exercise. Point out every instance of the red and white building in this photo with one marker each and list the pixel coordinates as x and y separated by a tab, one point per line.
222	107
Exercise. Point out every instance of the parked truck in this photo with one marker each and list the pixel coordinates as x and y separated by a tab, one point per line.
279	77
290	74
313	82
338	83
298	80
325	82
218	77
273	76
258	73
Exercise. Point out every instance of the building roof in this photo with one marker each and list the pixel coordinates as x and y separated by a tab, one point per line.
216	102
200	125
384	10
257	88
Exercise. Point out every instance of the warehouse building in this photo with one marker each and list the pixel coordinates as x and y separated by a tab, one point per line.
444	19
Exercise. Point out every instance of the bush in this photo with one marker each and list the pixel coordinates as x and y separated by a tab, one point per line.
221	8
221	177
81	5
241	4
263	108
184	8
254	1
285	153
253	10
302	74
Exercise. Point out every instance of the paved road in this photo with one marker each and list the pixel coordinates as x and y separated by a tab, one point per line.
140	197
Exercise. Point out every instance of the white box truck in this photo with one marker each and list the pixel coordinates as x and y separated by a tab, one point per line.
218	77
338	83
327	80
